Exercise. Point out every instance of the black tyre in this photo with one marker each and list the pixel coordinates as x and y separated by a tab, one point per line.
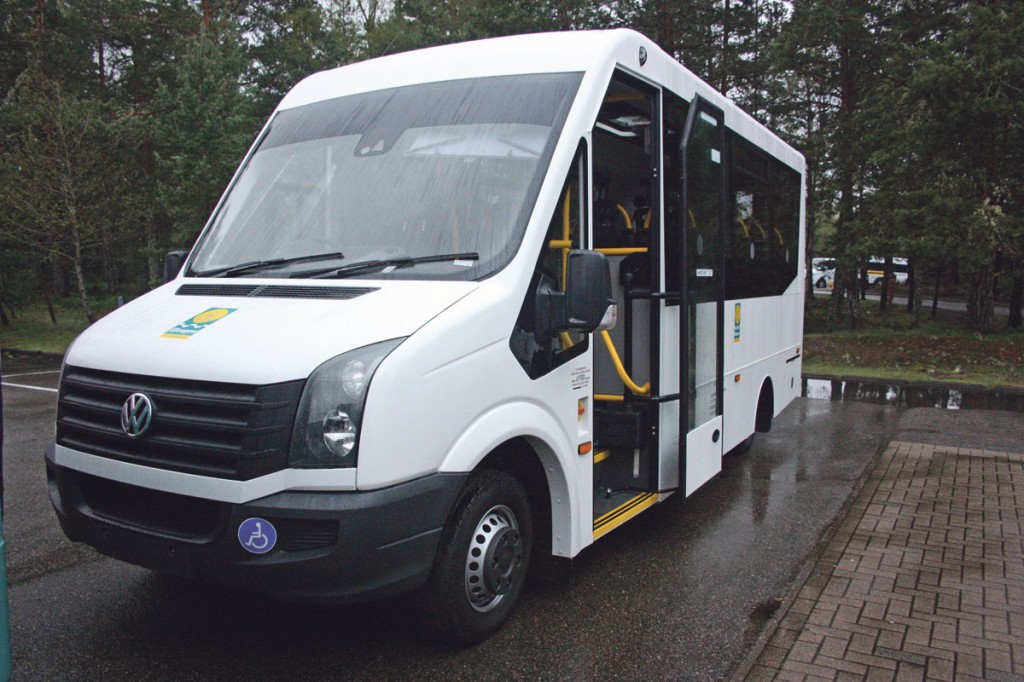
482	559
744	446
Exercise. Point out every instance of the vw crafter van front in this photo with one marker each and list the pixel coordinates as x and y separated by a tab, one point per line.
294	412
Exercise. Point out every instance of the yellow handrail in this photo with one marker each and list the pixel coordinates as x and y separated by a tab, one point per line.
630	384
625	215
609	397
566	237
622	251
743	224
565	244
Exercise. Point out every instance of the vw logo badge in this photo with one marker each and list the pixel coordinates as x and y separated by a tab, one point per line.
136	415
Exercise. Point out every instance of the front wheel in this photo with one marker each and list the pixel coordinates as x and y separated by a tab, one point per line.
482	559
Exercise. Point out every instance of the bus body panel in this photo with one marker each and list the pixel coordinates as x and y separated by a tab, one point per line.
151	335
453	391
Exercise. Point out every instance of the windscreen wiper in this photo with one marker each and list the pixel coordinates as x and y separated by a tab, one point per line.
252	266
381	263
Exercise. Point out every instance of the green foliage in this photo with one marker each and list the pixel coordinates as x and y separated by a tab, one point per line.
32	329
60	179
945	130
121	121
891	345
286	41
202	129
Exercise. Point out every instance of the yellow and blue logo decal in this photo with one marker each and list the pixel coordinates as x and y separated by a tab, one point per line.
196	324
736	325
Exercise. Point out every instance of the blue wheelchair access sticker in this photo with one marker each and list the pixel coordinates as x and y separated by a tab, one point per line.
257	535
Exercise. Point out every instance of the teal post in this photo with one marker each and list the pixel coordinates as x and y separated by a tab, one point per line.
5	619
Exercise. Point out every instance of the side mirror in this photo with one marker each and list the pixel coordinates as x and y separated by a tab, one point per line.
589	304
173	260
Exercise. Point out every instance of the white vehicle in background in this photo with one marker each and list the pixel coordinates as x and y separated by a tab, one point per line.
876	270
823	273
390	363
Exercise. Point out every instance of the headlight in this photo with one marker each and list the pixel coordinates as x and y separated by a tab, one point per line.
326	433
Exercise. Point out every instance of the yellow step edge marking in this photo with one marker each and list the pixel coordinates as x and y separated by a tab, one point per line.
602	456
606	523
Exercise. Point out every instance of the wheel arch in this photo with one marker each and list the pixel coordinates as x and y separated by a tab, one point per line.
765	411
531	457
518	458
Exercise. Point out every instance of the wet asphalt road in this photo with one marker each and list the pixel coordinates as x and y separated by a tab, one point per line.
681	592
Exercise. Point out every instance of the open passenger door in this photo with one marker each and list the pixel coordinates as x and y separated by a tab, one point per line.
701	318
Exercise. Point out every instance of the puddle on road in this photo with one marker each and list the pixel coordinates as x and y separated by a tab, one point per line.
908	394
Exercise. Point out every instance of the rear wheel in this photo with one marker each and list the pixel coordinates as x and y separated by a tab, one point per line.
744	446
482	560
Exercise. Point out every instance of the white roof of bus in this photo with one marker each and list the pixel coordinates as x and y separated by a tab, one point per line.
595	52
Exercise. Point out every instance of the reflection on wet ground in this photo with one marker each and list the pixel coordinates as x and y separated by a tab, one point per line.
913	394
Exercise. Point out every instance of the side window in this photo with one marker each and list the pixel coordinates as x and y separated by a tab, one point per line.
537	349
787	222
752	236
625	187
764	239
676	109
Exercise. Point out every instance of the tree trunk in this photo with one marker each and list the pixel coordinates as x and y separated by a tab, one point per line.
80	281
883	301
980	304
846	170
666	37
1016	294
914	297
70	198
913	301
46	293
725	66
154	260
844	304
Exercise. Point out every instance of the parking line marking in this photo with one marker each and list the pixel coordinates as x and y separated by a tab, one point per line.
29	374
31	388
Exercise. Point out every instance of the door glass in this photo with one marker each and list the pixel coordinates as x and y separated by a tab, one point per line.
703	240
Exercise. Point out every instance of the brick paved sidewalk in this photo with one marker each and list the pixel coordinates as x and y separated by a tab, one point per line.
924	578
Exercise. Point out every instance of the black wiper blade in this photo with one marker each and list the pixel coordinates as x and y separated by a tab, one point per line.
381	263
252	266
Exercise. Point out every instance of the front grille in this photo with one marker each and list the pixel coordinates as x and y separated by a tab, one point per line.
232	431
273	291
189	518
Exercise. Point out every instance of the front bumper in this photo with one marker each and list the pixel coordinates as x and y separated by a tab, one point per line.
331	546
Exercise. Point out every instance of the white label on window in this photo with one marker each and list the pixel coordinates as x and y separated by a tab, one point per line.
708	118
716	156
705	272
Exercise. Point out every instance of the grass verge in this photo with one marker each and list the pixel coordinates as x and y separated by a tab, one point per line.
889	347
941	349
32	329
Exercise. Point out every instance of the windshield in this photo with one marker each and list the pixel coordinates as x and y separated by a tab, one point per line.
413	172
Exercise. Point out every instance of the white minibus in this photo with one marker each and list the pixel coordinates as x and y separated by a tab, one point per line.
460	313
